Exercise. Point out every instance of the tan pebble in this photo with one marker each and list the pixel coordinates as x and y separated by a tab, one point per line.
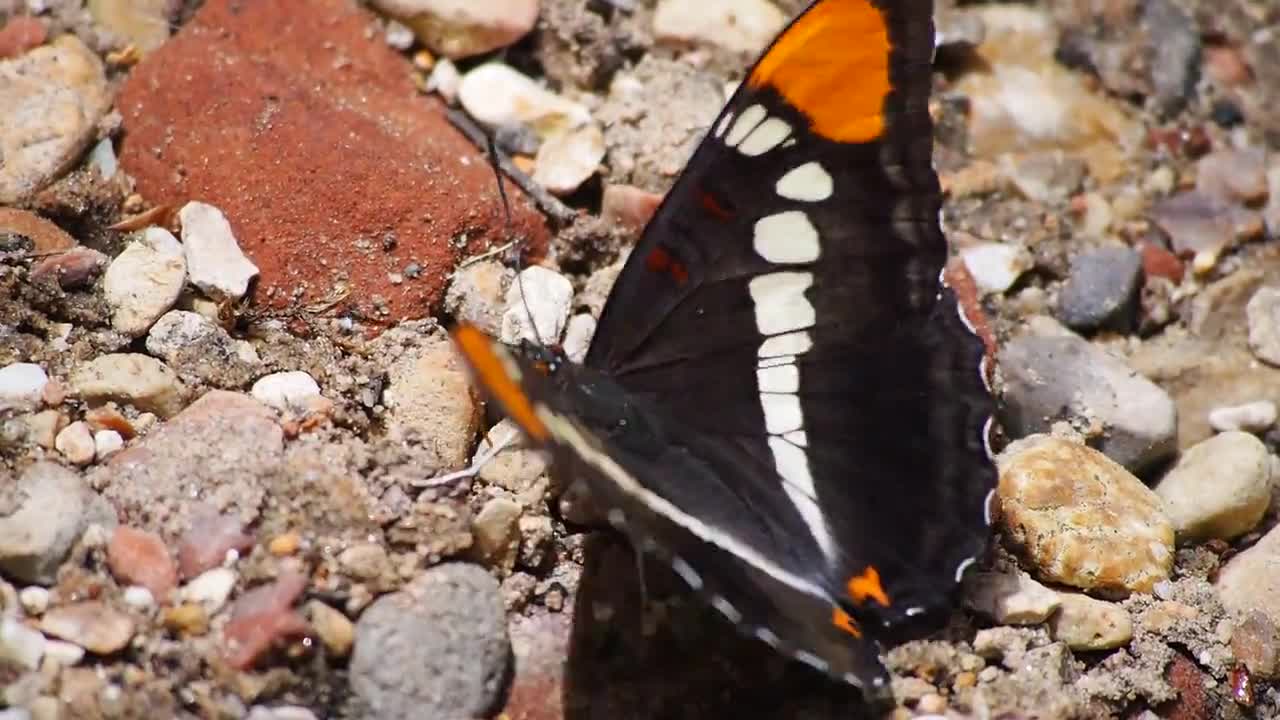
496	532
965	680
1085	623
1219	488
285	544
1167	615
932	703
424	60
1010	598
334	629
525	163
187	619
92	625
1081	519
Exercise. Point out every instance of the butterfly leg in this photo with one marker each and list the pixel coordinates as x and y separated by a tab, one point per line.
476	465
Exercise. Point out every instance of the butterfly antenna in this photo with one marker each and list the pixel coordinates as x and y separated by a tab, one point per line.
510	227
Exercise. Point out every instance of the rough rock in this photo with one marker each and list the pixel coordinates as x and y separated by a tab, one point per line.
496	534
1085	623
143	24
46	237
53	97
262	617
144	281
1051	378
201	351
437	649
215	262
458	28
139	380
1220	488
567	160
429	392
1010	598
53	507
1256	643
71	270
20	34
1081	519
241	77
537	306
477	295
335	630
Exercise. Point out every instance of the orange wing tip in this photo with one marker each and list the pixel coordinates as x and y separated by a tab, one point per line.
845	622
867	587
499	376
832	64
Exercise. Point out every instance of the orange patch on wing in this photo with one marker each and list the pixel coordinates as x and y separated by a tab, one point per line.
845	622
833	65
661	261
491	371
867	586
713	206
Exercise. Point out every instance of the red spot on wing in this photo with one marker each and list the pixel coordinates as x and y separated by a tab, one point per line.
711	204
659	260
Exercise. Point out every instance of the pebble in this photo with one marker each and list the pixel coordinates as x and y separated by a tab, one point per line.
92	625
22	386
56	508
566	160
498	95
459	30
46	237
34	599
71	270
741	26
1256	643
214	260
548	297
211	589
628	208
1197	224
995	267
289	392
64	653
1233	175
1263	315
138	557
577	336
20	644
129	378
444	80
1010	598
1255	417
263	616
143	24
1085	623
209	540
43	427
144	281
437	649
53	97
1249	582
280	712
429	392
199	349
335	630
1271	213
1045	177
1176	55
75	442
20	34
138	598
365	561
1081	519
1220	488
284	544
1101	292
1051	378
497	537
477	293
107	443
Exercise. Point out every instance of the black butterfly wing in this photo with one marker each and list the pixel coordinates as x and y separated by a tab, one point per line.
784	309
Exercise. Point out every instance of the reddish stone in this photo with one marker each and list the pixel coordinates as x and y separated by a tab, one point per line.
261	617
47	237
1192	702
628	207
1158	262
306	130
1226	65
21	34
75	268
540	644
137	557
205	545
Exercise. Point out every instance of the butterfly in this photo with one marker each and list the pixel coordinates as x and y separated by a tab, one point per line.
783	398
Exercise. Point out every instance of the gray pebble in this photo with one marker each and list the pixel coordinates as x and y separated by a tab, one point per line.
40	522
1102	290
437	649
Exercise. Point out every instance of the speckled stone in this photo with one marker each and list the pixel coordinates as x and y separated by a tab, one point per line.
1081	519
1084	623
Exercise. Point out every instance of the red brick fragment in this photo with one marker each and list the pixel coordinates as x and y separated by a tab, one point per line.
21	34
138	557
263	616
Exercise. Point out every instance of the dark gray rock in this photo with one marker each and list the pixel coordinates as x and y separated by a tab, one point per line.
1175	53
1102	291
1063	377
437	649
42	517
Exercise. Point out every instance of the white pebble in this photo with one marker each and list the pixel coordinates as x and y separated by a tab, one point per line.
107	443
568	159
139	598
75	442
20	644
547	295
577	336
735	25
496	95
214	260
444	80
21	385
286	391
34	599
211	588
144	281
64	653
1254	417
995	267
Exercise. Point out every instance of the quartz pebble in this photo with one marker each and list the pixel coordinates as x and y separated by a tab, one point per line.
566	160
1085	623
1219	488
214	260
1081	519
143	282
744	26
289	391
107	443
548	297
498	95
995	267
34	599
1010	598
20	644
75	442
477	295
22	386
462	29
210	589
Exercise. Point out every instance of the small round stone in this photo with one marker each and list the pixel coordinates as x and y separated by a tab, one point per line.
1102	290
1219	488
1253	417
1081	519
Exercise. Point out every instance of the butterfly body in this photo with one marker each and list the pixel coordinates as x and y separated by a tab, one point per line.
783	398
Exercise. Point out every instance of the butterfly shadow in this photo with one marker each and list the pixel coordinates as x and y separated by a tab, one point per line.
656	652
